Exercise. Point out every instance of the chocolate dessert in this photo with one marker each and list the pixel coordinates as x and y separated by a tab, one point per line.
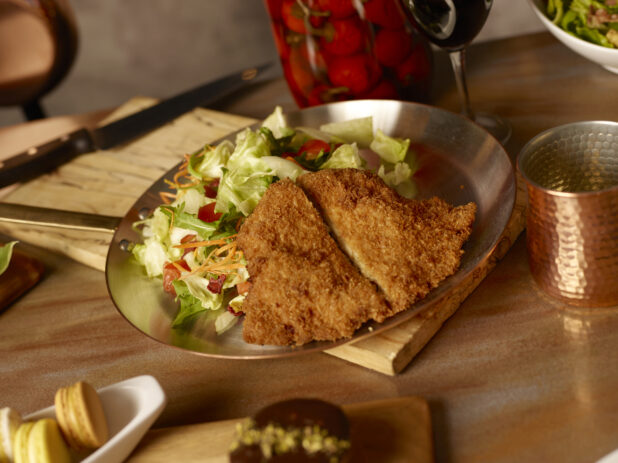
293	431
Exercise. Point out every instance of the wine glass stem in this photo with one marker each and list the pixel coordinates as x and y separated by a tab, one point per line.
458	61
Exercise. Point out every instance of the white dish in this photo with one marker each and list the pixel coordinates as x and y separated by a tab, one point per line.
131	407
606	57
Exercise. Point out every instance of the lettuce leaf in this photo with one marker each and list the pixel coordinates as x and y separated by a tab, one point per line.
209	162
344	156
6	252
152	255
188	221
277	124
390	149
359	131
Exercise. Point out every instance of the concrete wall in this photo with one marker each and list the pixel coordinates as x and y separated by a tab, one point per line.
161	47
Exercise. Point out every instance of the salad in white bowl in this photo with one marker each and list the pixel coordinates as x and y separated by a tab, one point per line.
588	27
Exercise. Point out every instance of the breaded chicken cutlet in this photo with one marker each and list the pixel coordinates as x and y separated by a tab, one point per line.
407	247
303	287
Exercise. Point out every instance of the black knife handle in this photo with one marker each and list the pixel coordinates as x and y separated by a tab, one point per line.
43	158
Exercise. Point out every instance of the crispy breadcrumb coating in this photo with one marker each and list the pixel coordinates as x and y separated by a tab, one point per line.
407	247
303	287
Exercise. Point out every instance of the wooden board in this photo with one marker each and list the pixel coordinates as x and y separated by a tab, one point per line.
109	182
388	431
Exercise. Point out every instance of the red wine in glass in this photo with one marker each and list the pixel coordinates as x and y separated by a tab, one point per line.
452	25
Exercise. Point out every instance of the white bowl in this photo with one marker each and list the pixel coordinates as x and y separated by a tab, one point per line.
606	57
131	407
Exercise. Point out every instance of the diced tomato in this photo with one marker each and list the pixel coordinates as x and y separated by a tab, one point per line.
187	239
312	148
215	285
171	273
233	312
243	287
210	192
207	213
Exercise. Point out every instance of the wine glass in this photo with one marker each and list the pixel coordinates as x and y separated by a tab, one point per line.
451	25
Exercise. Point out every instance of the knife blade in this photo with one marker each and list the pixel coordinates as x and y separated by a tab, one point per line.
43	158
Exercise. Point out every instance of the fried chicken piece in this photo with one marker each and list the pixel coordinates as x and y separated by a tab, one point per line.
304	288
407	247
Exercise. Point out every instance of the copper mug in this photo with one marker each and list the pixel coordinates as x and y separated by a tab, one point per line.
571	174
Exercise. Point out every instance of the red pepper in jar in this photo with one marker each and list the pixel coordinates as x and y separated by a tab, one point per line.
385	13
416	68
274	8
280	40
367	46
305	65
384	90
391	46
325	94
300	16
337	8
343	36
356	72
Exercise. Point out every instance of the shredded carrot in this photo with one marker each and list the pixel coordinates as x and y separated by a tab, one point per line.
227	247
180	268
201	244
166	196
224	258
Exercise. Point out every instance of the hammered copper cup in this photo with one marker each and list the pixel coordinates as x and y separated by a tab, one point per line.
571	174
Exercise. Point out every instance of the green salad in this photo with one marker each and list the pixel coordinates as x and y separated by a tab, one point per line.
595	21
189	241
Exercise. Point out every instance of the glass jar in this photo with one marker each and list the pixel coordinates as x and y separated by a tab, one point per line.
333	50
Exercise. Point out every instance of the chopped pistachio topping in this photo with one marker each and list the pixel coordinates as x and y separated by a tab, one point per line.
276	440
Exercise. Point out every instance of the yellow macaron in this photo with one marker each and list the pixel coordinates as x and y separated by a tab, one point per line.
10	420
40	442
81	417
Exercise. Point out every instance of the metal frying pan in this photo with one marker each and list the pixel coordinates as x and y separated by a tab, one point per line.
458	161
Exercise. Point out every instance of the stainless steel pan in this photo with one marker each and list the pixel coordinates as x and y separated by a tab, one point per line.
458	160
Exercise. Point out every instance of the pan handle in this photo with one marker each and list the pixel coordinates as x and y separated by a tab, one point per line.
31	215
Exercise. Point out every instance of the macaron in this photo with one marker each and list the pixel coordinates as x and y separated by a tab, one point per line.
81	417
40	442
20	442
10	420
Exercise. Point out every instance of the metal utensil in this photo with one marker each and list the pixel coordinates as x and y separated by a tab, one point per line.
571	173
40	159
458	161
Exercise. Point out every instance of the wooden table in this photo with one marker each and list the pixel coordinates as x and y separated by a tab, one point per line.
512	376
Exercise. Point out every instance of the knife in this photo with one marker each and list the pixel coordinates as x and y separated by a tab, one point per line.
43	158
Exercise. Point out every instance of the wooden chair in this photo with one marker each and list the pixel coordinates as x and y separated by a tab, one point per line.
38	44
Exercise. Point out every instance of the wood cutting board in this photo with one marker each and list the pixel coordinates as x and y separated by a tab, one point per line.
386	431
109	182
